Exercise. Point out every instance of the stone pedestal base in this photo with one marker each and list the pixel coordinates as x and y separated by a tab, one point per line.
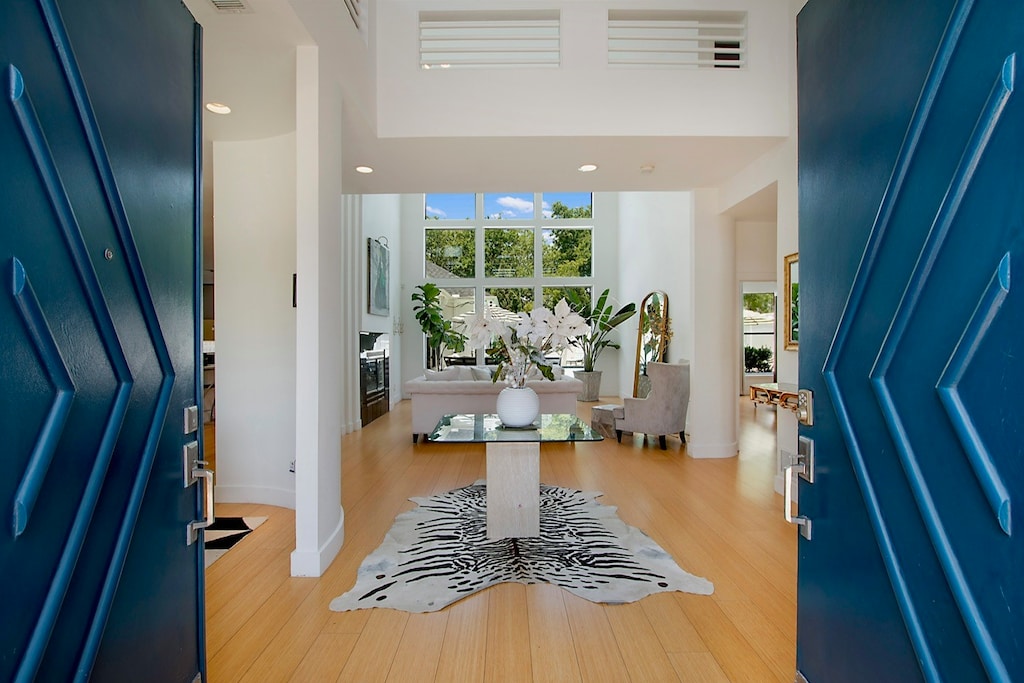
513	490
602	419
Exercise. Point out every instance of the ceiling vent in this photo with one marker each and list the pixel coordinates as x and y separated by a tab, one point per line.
231	6
680	39
489	39
355	11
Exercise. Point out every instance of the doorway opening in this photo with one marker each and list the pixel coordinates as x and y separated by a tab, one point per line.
758	341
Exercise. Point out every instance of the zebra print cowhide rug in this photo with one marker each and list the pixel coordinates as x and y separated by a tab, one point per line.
439	552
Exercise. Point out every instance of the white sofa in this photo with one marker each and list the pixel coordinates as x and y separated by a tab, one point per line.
466	389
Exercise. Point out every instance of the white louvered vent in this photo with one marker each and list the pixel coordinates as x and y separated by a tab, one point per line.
355	10
231	6
680	39
489	39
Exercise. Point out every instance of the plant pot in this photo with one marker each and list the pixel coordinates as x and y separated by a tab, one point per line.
518	406
591	385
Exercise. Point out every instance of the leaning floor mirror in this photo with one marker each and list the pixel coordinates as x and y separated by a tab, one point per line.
652	339
791	267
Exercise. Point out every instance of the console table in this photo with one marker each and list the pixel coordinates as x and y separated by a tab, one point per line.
513	464
772	393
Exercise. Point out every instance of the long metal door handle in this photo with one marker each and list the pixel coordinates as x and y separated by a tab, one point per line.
787	486
205	478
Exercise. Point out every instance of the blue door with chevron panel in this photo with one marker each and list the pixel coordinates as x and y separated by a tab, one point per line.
98	330
911	176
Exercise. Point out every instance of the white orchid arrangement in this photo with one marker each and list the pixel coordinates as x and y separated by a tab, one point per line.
520	345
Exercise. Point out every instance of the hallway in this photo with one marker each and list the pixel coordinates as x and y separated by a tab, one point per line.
720	519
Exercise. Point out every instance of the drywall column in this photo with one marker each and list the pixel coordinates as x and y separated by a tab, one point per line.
353	253
255	322
713	417
319	517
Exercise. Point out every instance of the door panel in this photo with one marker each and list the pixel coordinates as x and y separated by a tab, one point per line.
911	198
98	320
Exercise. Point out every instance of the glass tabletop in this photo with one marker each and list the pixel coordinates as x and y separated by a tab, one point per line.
482	427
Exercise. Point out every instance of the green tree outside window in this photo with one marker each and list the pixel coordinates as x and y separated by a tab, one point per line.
508	252
451	251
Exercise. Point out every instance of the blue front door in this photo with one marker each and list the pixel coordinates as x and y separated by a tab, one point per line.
98	333
911	171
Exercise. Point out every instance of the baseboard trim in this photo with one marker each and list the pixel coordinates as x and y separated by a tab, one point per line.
264	495
315	563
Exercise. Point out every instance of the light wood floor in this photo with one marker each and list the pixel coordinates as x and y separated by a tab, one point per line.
719	519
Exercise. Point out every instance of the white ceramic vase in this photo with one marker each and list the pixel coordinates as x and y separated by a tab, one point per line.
518	406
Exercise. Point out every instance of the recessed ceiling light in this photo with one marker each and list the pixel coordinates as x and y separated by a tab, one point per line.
587	168
647	168
218	108
364	169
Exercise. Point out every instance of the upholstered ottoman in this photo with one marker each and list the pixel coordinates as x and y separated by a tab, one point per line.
602	419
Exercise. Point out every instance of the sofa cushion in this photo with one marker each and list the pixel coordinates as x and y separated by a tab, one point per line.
483	374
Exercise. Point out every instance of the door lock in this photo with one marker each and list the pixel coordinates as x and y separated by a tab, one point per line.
805	407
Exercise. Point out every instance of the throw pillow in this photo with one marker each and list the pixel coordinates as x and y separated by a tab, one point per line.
481	373
446	375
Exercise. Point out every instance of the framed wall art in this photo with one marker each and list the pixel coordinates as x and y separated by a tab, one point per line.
377	285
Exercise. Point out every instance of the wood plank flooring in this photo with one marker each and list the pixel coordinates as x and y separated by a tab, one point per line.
720	519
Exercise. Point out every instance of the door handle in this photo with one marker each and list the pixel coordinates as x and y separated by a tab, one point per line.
803	522
205	478
803	465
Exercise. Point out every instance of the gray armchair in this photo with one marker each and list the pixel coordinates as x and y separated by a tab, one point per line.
664	410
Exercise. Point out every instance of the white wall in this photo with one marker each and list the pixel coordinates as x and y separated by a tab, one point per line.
255	242
714	373
413	102
382	217
656	238
755	251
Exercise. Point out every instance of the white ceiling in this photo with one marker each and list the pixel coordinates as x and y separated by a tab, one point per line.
249	63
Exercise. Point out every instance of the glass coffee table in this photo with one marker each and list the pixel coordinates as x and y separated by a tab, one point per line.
513	463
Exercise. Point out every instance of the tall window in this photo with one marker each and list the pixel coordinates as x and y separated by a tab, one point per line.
508	252
450	253
513	251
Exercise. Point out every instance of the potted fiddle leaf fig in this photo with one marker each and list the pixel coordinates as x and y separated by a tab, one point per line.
438	329
601	319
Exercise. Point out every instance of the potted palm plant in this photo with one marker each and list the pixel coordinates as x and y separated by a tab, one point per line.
601	319
438	329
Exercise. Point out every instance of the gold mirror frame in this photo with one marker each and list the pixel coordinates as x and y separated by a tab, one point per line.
652	337
791	311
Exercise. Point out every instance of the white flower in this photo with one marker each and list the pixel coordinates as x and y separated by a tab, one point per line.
534	327
565	325
521	343
481	329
